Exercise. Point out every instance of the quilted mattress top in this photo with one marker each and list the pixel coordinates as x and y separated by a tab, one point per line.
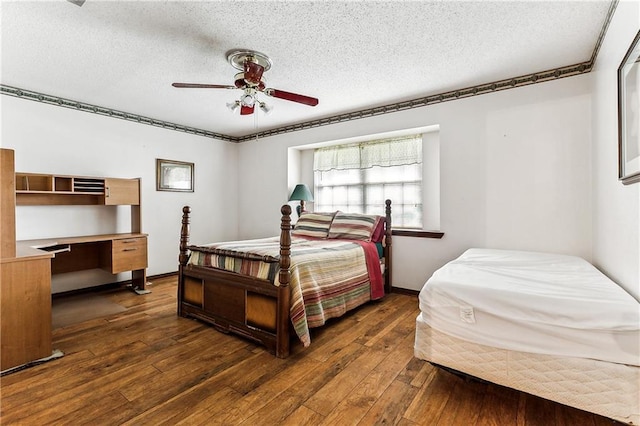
533	302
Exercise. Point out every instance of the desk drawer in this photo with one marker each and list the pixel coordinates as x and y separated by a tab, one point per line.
128	254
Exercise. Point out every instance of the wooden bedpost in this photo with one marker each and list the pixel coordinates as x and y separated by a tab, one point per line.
387	249
284	292
183	258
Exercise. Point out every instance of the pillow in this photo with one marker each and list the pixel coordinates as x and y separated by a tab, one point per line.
313	225
353	226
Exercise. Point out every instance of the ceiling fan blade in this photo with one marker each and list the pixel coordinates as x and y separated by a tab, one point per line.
77	2
202	86
246	110
252	72
294	97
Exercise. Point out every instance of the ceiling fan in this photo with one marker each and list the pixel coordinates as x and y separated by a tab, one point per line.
252	64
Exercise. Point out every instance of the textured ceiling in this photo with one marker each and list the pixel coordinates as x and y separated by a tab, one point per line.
351	55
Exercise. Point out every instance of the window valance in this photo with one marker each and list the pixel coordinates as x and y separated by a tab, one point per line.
381	153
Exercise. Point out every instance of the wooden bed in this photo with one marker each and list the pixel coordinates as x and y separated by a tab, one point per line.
251	307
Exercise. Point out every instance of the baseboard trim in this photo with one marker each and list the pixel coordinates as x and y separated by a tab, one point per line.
110	286
165	275
406	291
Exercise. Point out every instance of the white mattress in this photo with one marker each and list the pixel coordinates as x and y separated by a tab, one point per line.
533	302
605	388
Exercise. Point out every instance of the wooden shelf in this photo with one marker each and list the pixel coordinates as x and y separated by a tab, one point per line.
34	182
60	192
115	252
43	189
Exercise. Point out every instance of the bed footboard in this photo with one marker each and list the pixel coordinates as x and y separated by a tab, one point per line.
251	307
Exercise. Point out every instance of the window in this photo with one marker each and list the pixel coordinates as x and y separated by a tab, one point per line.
357	178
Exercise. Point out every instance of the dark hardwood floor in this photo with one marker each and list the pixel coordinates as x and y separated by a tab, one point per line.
147	366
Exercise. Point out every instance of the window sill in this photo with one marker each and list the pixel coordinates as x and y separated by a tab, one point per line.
416	233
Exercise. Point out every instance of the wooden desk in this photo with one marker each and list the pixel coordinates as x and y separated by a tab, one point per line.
114	253
26	266
25	302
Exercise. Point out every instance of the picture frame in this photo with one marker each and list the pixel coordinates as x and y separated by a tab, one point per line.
174	175
629	115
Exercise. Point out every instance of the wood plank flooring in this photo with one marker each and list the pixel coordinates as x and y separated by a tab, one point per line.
147	366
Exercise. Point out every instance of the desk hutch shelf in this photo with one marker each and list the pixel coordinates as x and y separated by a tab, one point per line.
43	189
114	253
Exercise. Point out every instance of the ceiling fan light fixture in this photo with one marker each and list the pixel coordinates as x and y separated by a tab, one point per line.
233	106
248	99
266	108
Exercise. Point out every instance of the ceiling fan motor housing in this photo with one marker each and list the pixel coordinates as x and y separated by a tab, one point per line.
238	57
241	82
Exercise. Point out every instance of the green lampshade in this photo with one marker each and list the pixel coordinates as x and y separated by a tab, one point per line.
301	192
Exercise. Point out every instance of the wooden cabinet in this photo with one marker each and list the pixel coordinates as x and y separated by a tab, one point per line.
128	254
45	189
25	285
121	191
25	309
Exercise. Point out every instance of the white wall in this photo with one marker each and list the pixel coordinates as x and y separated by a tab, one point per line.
539	176
616	207
50	139
515	172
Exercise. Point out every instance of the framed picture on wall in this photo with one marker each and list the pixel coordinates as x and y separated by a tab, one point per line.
174	176
629	115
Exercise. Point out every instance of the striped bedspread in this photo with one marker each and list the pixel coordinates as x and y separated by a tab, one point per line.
328	276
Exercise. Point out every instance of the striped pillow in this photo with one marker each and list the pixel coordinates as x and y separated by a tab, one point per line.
313	225
353	226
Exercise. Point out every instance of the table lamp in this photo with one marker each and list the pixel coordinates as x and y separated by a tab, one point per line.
302	193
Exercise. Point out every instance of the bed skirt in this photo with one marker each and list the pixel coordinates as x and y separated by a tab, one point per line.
604	388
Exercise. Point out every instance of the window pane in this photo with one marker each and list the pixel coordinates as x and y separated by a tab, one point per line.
355	195
394	193
323	196
375	194
375	174
340	195
412	193
378	209
411	217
